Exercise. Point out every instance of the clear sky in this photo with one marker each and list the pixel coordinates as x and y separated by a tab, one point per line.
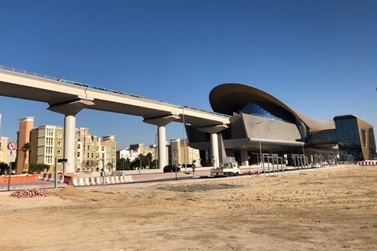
318	57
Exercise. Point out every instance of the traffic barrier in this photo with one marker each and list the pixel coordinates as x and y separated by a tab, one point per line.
82	181
367	163
50	177
97	181
93	181
74	183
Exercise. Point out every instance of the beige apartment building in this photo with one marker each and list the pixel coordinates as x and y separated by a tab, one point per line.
180	153
87	151
23	137
108	152
91	152
4	150
47	144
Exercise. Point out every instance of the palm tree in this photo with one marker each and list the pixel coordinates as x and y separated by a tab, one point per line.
109	166
142	161
149	158
123	164
25	149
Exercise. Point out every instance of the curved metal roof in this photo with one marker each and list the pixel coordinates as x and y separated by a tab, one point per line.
229	98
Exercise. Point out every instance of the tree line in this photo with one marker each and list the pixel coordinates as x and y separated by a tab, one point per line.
141	162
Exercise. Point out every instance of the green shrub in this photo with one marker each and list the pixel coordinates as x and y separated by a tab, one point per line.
3	168
38	168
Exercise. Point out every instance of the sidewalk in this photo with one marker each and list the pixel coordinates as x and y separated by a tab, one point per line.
19	185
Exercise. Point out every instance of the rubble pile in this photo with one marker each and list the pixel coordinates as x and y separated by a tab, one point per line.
30	193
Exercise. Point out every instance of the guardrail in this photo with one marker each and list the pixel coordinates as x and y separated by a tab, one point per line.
6	68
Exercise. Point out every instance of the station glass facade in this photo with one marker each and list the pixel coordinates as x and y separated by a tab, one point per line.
352	139
255	109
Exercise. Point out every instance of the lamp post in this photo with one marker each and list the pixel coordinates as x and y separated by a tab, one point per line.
260	145
184	138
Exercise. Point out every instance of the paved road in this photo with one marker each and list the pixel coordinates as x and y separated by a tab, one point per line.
141	176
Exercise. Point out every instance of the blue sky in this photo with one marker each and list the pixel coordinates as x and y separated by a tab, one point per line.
318	57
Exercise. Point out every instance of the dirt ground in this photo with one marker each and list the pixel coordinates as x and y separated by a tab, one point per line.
332	208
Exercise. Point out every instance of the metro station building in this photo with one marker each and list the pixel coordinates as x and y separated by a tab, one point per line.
262	125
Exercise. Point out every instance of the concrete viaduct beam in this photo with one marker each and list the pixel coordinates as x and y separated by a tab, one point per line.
70	109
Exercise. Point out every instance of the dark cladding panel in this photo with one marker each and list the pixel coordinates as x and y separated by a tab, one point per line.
237	129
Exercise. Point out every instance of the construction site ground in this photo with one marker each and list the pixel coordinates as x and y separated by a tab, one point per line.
332	208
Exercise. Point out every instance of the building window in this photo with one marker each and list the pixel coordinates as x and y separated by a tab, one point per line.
48	159
49	141
257	109
59	134
58	152
48	149
49	132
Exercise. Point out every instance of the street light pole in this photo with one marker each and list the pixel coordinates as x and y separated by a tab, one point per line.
184	138
260	145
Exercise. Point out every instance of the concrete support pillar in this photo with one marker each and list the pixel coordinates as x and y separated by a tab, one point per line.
214	130
244	158
215	149
162	153
70	108
161	122
69	143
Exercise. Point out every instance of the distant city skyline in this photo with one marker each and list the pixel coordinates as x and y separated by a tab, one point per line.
318	57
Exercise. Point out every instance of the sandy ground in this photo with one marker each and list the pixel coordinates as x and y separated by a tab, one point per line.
324	209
